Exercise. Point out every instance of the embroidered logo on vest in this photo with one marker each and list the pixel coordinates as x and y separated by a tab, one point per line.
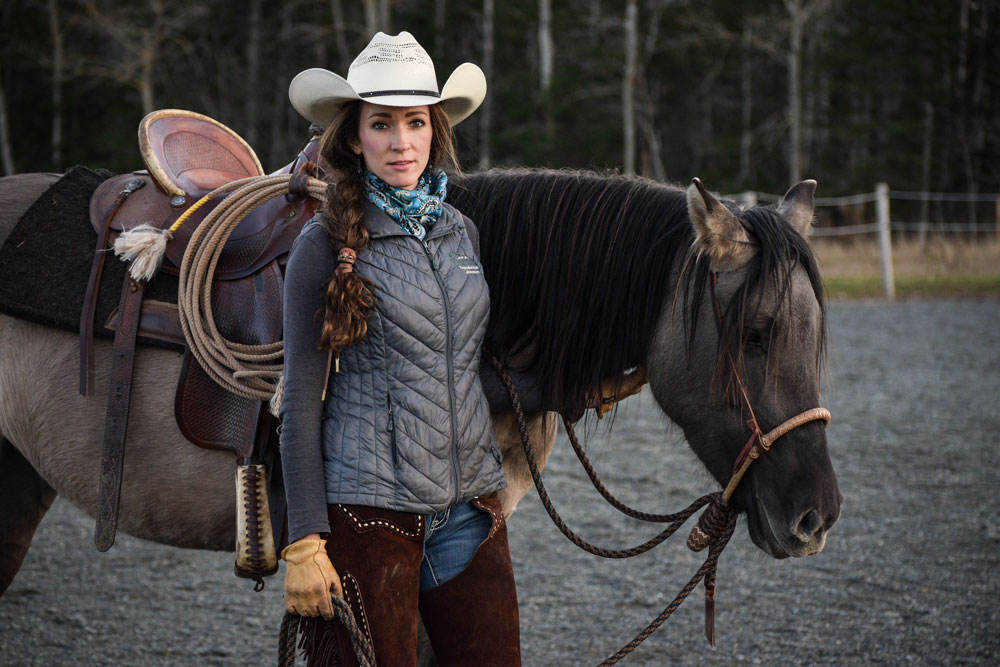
465	263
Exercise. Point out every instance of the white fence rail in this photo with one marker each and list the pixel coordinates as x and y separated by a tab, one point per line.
884	226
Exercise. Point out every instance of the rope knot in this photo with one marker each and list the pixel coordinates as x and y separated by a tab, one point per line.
712	524
298	184
345	261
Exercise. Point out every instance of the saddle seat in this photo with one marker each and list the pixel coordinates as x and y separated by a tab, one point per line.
187	156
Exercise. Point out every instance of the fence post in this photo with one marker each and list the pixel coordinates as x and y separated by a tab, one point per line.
884	240
997	218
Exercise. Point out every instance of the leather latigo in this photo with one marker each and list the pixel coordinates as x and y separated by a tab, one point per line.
116	420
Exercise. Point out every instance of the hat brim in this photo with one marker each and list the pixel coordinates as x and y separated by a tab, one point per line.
319	95
463	92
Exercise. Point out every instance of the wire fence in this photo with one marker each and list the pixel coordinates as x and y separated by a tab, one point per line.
967	217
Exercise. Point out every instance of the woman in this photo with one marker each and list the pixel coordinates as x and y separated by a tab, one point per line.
390	464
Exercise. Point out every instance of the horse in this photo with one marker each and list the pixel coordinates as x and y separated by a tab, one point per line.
594	275
591	276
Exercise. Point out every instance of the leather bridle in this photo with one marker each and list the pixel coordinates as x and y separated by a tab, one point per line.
759	442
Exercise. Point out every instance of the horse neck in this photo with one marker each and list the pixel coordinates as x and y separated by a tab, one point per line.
579	266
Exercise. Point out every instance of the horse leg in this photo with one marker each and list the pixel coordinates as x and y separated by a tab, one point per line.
24	499
542	432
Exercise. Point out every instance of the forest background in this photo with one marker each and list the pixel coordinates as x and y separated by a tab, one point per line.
748	95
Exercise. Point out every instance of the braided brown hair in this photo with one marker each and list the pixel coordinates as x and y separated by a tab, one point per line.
349	297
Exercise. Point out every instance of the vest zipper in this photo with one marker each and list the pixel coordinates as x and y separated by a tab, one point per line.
391	428
449	363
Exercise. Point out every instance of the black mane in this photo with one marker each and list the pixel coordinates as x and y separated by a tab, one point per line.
579	263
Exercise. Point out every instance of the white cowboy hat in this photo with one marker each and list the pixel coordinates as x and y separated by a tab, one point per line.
392	70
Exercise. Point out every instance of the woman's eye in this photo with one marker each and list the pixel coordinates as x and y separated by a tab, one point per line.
417	122
379	126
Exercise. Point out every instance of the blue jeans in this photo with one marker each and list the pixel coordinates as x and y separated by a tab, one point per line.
451	540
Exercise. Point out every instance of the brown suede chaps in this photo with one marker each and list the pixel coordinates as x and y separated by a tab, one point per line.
470	620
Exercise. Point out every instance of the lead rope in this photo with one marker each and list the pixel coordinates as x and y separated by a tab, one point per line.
717	524
290	624
607	495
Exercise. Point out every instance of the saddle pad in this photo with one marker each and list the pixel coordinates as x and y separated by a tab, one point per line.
45	262
247	310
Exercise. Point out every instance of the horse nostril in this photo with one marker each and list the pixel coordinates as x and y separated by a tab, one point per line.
808	526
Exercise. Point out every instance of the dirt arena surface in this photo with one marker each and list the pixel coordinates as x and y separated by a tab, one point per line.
909	574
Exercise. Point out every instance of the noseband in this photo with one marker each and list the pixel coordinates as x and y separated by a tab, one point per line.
759	442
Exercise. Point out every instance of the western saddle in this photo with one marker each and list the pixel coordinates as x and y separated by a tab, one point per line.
188	155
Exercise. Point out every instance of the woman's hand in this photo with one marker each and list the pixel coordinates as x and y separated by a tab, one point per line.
310	578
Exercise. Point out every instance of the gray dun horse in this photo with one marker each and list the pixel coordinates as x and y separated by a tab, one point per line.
591	276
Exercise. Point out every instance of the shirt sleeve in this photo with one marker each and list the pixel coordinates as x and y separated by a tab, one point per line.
307	274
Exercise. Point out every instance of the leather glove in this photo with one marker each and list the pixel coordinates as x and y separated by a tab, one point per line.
310	578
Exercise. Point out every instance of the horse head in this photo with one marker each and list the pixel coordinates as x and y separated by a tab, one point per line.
748	303
595	274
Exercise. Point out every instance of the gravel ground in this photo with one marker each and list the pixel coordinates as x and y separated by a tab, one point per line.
908	576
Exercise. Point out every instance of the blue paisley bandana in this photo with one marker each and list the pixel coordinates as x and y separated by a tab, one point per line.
413	210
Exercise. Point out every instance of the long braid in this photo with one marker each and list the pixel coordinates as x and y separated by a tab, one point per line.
349	297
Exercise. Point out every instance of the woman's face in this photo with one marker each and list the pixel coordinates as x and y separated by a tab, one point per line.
395	142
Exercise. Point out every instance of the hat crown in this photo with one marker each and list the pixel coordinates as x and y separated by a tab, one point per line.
391	63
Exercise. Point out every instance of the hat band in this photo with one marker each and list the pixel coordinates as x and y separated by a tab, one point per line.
382	93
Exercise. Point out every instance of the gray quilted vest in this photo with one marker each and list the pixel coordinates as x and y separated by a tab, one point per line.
406	425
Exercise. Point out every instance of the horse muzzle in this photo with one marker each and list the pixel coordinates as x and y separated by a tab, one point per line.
803	535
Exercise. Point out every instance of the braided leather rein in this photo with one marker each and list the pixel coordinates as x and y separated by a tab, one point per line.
288	633
715	526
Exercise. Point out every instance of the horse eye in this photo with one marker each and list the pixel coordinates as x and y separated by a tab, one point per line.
754	339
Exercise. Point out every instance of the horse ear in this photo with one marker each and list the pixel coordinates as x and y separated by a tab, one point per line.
797	206
718	232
